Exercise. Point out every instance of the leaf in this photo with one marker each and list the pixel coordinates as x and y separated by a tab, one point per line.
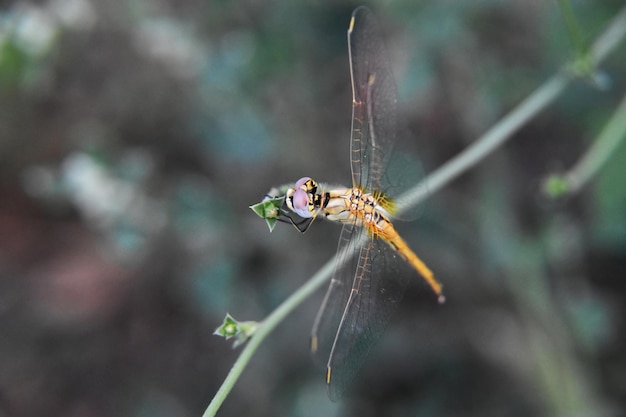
241	331
269	209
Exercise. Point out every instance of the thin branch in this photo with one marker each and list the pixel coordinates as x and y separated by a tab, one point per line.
611	137
487	143
609	39
495	137
572	27
507	126
264	329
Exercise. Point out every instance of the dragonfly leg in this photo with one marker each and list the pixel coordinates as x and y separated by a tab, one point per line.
302	225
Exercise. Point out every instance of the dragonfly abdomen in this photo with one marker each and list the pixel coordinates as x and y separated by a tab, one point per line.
391	236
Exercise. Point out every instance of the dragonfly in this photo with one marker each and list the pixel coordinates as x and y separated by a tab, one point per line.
372	259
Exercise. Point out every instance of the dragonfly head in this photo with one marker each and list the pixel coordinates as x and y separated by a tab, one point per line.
300	197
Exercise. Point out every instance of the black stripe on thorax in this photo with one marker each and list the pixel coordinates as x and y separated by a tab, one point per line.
321	200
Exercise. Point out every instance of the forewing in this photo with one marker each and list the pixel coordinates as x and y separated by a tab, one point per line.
374	97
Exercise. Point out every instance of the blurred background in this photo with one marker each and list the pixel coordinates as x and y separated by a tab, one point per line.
134	136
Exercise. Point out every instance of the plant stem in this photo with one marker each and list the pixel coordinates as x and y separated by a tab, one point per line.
610	38
572	27
515	119
264	329
610	138
487	143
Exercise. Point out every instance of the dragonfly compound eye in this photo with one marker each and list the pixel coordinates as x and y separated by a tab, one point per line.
302	181
307	184
300	203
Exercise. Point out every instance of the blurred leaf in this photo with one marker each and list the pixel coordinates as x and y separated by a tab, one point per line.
592	321
13	62
555	186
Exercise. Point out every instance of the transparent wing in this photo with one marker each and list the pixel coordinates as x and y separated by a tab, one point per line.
360	301
374	98
367	283
330	313
374	130
404	172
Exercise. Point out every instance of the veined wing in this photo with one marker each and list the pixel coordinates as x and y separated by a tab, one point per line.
366	285
374	98
329	315
364	292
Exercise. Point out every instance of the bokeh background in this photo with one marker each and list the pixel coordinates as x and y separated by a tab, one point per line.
134	136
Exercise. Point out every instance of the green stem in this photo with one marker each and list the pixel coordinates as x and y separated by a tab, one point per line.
437	180
487	143
515	119
264	329
609	39
591	162
572	27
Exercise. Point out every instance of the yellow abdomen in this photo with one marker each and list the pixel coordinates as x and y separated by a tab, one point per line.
384	229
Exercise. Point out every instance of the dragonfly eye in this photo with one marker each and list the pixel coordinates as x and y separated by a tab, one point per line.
302	181
307	184
300	203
